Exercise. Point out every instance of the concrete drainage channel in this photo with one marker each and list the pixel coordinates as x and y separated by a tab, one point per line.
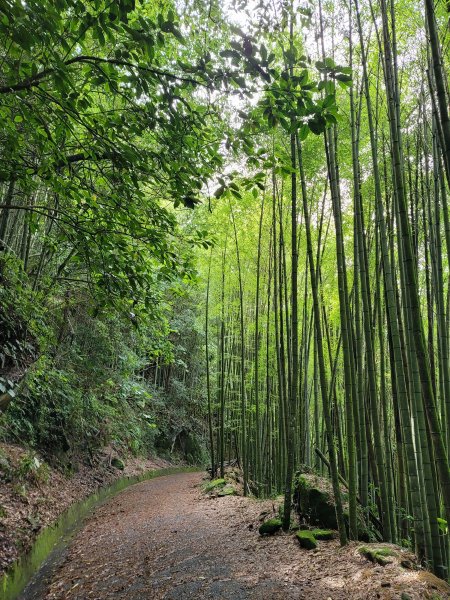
25	579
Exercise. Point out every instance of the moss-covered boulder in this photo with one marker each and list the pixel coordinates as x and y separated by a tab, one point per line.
214	485
270	526
381	556
323	534
227	490
118	464
315	501
306	539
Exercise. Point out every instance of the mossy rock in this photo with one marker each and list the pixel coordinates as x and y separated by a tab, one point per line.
270	526
315	504
381	556
306	539
118	464
227	490
314	501
323	534
215	483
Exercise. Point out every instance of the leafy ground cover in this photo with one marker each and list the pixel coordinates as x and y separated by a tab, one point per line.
166	539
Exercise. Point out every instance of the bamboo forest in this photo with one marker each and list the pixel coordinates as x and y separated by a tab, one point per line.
224	279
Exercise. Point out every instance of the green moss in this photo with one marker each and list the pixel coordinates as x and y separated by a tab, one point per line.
212	485
323	534
377	555
300	481
270	526
227	490
306	539
386	552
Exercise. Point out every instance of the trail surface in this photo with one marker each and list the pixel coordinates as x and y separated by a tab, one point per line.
163	539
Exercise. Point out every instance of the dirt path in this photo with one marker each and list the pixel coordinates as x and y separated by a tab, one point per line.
164	539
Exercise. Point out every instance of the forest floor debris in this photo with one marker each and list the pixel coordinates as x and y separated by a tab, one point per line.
166	539
33	495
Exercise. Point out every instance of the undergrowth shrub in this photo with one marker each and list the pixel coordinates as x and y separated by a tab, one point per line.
85	382
31	468
23	328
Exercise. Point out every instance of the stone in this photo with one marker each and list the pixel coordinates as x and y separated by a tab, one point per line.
215	483
270	526
315	504
380	556
306	540
227	490
323	534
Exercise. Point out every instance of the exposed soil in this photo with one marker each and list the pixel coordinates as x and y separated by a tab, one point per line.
29	503
165	539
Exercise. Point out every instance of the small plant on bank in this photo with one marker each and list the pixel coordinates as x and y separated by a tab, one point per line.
33	469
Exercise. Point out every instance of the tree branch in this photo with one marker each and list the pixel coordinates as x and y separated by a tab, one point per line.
37	79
